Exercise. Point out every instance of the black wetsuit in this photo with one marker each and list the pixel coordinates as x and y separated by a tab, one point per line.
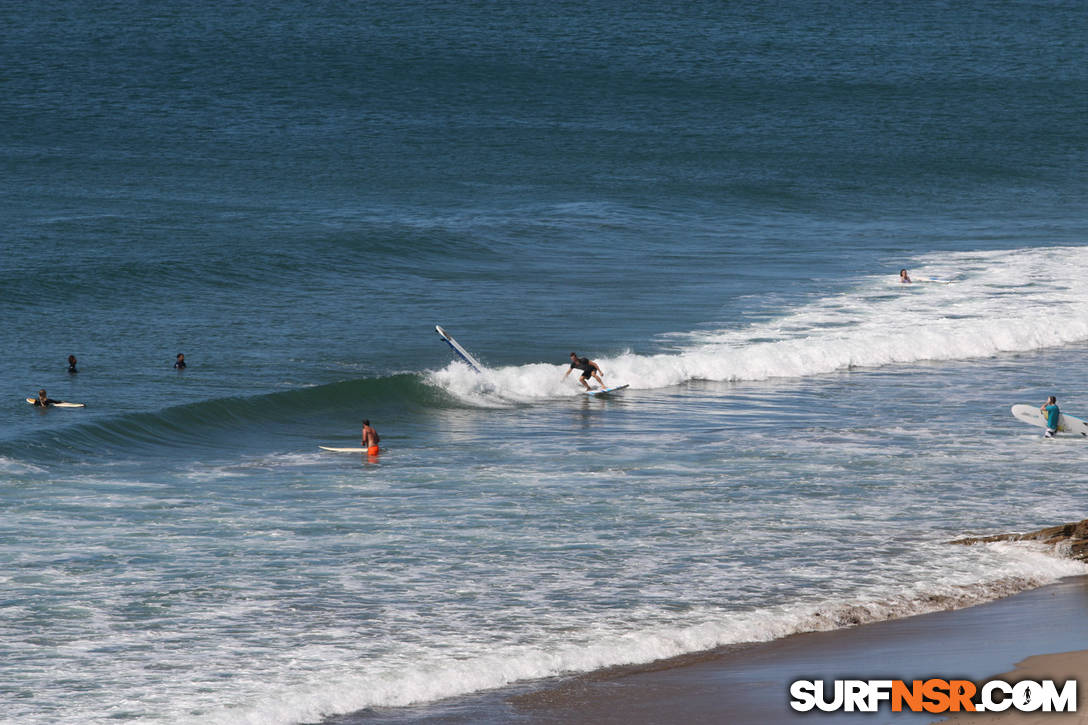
585	366
48	401
180	365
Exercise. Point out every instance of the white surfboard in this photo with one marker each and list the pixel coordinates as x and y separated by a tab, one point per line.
1031	415
58	404
606	391
342	450
461	352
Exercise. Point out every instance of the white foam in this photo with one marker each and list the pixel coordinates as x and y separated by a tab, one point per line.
999	302
245	467
1002	569
14	467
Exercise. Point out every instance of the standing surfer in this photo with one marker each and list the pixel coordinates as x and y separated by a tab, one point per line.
72	364
588	368
1053	416
370	439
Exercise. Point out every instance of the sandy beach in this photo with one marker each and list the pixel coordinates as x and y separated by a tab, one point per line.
1059	667
750	684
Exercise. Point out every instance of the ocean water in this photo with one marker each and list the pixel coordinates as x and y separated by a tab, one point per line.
710	200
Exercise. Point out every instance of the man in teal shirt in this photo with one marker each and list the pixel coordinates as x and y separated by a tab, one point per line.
1050	409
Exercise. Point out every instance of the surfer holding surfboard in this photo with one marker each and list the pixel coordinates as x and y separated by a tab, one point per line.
1053	415
370	443
1049	417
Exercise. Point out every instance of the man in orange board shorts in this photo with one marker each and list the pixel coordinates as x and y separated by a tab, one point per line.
370	439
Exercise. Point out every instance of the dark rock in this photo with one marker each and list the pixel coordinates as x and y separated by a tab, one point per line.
1070	539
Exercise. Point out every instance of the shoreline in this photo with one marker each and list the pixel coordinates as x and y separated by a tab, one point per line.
752	684
749	683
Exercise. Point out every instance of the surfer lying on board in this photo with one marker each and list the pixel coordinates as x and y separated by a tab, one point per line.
1053	415
370	439
43	401
588	368
904	277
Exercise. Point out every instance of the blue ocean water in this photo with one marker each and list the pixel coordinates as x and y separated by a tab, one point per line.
712	201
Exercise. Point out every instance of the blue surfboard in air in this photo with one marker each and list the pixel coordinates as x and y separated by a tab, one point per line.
461	352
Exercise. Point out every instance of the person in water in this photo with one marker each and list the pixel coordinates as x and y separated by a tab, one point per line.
370	439
588	368
904	278
1053	416
72	364
180	364
43	400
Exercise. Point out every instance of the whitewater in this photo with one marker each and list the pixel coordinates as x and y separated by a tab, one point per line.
986	303
757	480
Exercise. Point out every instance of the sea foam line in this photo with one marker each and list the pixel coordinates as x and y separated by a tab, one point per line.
1025	566
999	302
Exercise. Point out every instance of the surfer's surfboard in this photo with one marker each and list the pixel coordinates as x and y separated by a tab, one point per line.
461	352
1031	415
342	450
606	391
58	404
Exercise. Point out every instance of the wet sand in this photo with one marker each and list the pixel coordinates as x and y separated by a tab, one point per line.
750	684
1058	667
